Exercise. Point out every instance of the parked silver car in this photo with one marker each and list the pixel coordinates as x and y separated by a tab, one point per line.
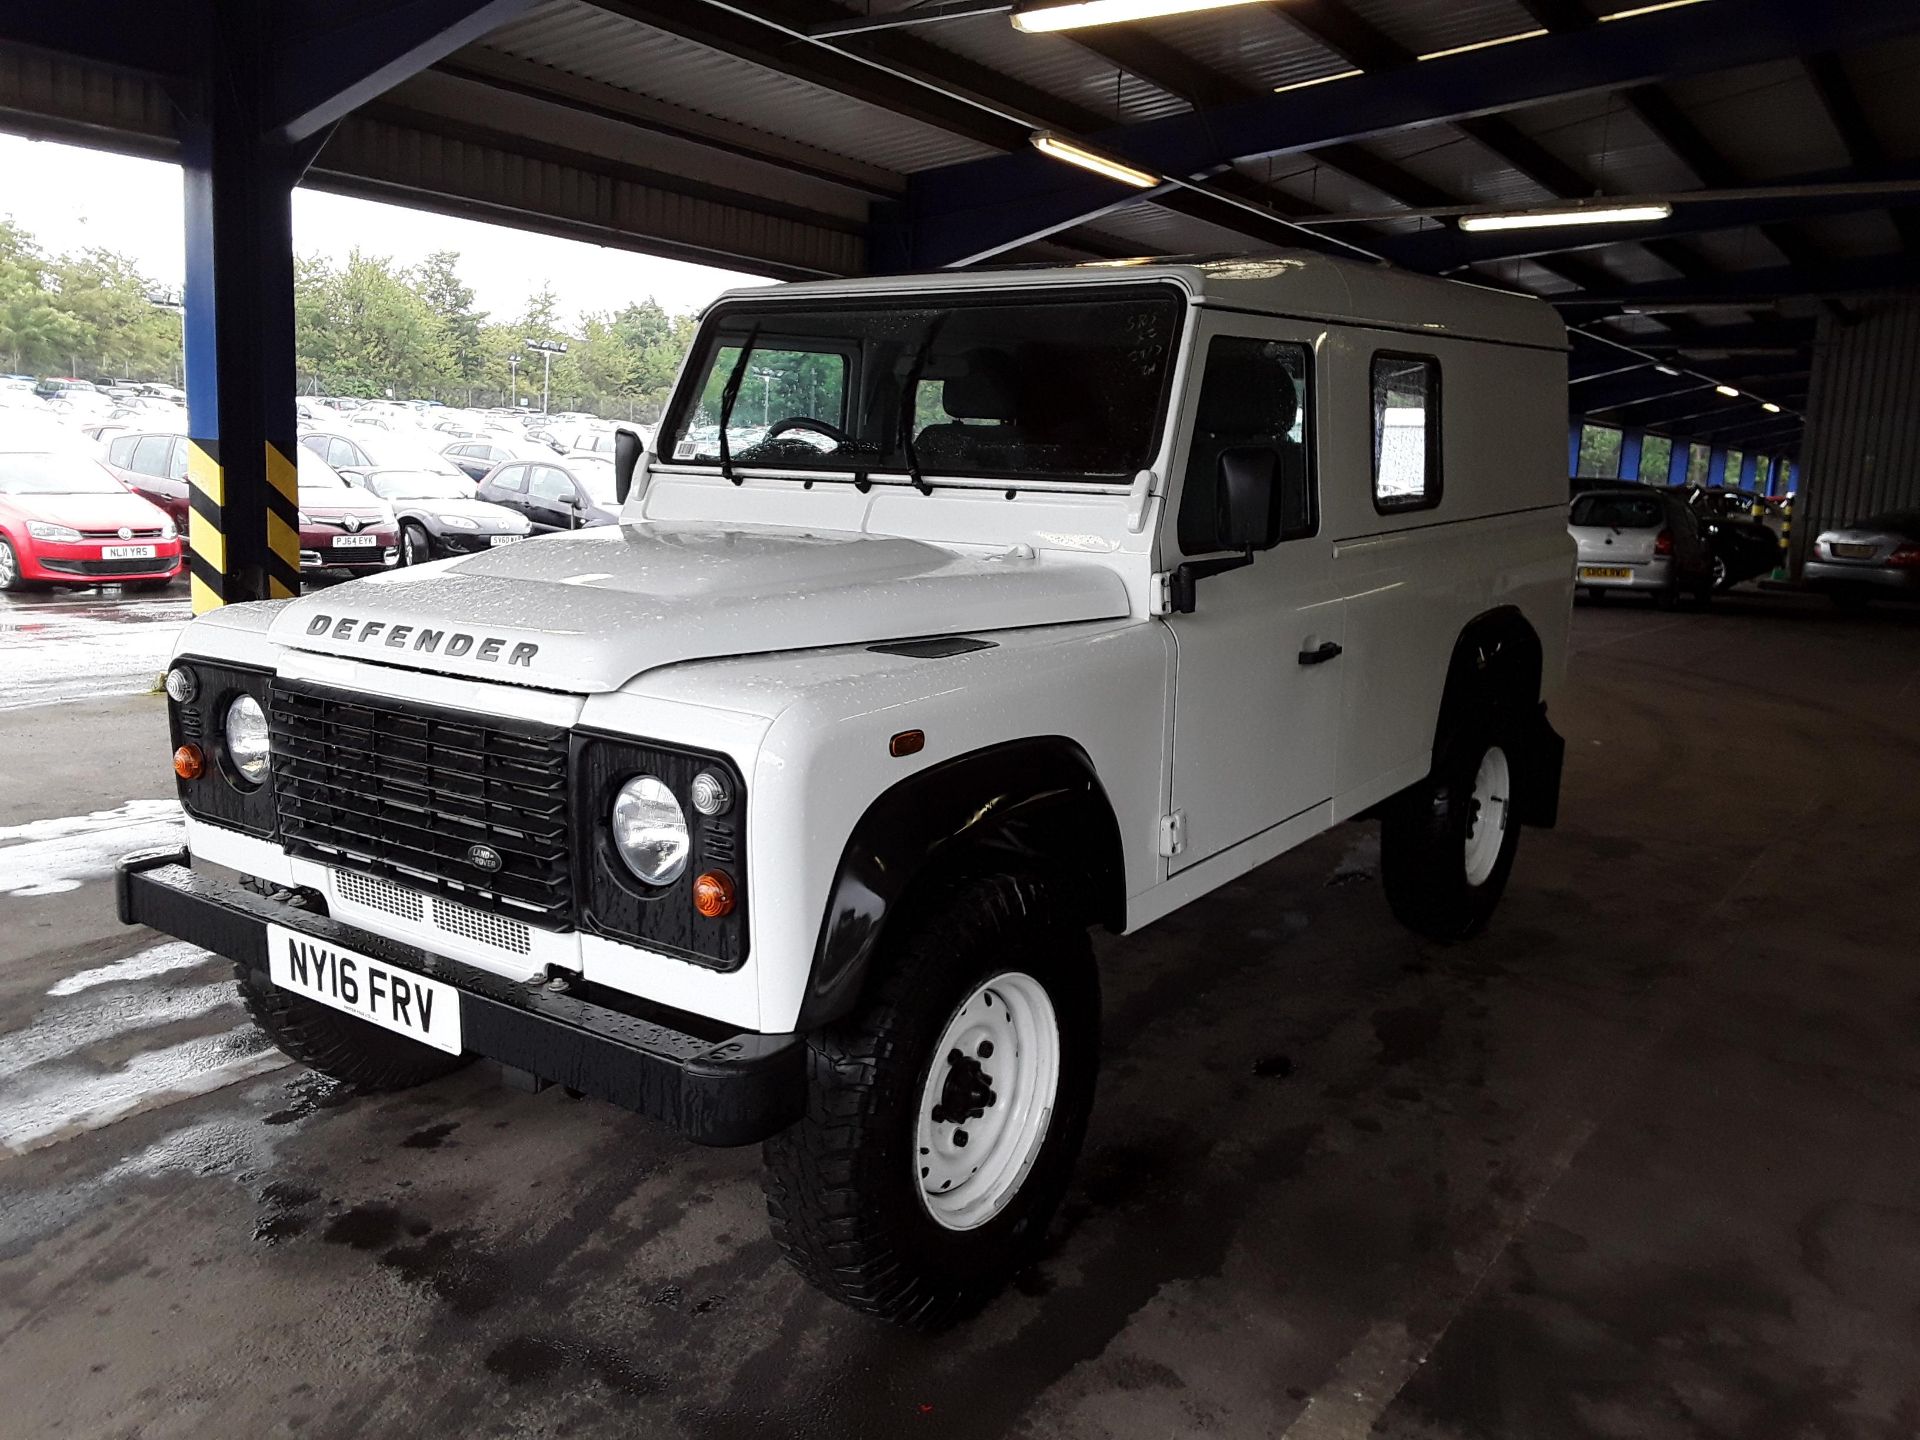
1642	540
1872	559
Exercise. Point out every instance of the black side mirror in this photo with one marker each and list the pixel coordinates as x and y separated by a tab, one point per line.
627	450
1244	487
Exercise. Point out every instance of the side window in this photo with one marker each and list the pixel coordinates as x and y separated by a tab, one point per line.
1254	395
512	477
120	451
551	485
150	454
177	461
345	452
1406	432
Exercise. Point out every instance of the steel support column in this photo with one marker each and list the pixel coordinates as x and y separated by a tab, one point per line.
1679	462
1630	442
1749	470
1573	447
1717	466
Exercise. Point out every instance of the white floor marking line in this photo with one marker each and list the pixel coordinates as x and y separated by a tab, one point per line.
47	857
155	960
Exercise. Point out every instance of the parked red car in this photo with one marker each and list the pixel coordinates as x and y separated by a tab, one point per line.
65	520
341	528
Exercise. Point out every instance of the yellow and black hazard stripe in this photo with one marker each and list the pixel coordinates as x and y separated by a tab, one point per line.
206	538
283	525
211	557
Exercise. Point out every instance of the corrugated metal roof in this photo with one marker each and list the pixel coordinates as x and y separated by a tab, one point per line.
1053	64
1765	120
584	40
1883	79
1600	137
1249	44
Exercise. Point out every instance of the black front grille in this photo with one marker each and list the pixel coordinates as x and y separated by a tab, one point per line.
409	791
155	566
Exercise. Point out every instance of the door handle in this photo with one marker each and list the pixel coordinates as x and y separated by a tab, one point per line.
1319	657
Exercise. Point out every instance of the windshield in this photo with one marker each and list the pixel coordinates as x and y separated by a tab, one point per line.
596	479
413	485
1618	512
46	474
1067	386
315	473
401	452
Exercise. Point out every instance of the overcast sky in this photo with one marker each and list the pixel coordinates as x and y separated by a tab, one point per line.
69	197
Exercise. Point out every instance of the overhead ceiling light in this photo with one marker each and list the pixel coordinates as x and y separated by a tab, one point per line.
1568	215
1050	144
1770	407
1041	19
1483	44
1728	391
1666	370
1640	10
1317	80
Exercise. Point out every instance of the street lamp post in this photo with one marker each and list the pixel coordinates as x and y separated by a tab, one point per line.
513	382
548	349
172	300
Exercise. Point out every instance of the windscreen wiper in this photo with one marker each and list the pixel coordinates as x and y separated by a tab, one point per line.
727	396
907	402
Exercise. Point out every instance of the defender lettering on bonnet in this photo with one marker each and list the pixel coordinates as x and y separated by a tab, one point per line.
459	643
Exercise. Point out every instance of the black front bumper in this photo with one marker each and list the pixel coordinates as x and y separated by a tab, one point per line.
716	1089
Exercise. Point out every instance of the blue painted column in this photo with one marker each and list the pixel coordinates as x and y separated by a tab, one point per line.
1630	443
1793	477
1573	449
244	533
1749	470
1678	462
1717	466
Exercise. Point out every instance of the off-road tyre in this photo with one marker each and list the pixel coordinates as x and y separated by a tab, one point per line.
342	1046
843	1186
1425	829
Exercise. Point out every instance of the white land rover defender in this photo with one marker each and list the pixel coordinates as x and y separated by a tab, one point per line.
953	615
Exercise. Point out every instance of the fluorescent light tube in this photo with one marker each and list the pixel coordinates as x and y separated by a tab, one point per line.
1317	80
1049	144
1770	407
1654	9
1567	215
1039	19
1483	44
1728	391
1666	370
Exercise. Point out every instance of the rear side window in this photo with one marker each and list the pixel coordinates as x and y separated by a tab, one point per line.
1253	395
1406	432
150	454
177	460
513	477
1618	512
550	484
121	451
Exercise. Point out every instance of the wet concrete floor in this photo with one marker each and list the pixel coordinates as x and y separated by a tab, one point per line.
1638	1162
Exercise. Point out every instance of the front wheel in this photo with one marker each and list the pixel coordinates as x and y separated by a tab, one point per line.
10	568
1447	844
944	1115
415	547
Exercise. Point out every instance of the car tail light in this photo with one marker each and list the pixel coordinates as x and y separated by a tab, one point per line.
1663	543
1905	556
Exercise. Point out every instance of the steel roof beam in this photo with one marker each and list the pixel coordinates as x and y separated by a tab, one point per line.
1829	79
993	202
1760	287
325	66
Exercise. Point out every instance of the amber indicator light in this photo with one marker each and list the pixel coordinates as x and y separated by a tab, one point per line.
188	762
907	742
713	894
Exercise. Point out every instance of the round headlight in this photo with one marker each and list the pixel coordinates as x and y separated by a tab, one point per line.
181	686
650	830
247	739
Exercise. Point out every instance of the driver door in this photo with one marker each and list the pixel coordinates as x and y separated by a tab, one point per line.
552	502
1258	659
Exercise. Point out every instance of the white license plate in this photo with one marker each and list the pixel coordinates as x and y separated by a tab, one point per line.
504	539
127	552
411	1005
355	542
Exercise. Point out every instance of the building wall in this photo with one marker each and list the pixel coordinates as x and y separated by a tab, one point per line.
1862	450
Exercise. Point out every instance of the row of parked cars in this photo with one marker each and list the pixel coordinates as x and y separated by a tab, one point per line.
89	503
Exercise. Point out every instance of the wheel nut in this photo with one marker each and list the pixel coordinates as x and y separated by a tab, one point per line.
960	1138
986	1049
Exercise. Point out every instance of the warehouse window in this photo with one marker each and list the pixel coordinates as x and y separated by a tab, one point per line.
1656	457
1599	453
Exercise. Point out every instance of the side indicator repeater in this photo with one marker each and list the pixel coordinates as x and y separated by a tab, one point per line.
907	742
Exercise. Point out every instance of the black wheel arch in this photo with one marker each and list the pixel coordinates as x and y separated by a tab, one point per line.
1498	664
1031	806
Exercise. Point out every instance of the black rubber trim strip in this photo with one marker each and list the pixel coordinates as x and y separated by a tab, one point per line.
731	1090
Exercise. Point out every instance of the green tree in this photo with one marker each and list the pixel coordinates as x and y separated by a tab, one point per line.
449	297
127	334
365	330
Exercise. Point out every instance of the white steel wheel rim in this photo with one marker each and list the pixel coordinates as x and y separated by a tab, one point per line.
967	1167
1487	821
